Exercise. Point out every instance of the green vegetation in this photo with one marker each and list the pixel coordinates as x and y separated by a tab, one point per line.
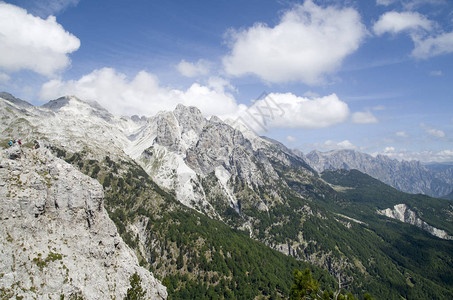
423	263
195	257
200	258
41	263
305	287
135	292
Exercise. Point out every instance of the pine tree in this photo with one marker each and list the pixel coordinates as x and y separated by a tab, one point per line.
304	287
135	292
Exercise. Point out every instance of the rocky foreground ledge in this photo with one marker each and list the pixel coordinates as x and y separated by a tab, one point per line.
56	239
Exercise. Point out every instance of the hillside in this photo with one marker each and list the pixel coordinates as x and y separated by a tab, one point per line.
205	205
407	176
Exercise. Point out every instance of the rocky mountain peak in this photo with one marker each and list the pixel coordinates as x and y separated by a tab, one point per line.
56	104
75	106
14	100
189	118
406	176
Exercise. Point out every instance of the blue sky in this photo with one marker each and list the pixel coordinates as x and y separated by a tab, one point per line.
374	75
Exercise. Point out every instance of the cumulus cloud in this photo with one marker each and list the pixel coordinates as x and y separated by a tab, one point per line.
395	22
188	69
309	42
427	43
424	156
142	95
220	84
364	117
291	111
32	43
402	134
333	145
435	132
433	46
432	131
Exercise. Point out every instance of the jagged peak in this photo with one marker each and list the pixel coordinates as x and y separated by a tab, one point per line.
80	106
57	103
182	109
189	118
10	98
215	119
70	100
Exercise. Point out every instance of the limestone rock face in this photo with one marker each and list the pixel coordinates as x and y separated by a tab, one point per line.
14	152
55	236
407	176
403	213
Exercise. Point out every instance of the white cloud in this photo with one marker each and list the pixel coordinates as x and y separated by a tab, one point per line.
445	156
424	156
142	95
435	132
188	69
432	131
389	149
4	77
28	42
333	145
426	43
436	73
379	107
220	84
290	111
291	139
433	46
311	94
309	42
346	145
364	117
385	2
45	8
402	134
395	22
410	4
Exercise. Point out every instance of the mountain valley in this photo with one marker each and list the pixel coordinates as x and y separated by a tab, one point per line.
214	211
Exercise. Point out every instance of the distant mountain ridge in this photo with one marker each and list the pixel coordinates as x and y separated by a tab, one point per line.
407	176
192	196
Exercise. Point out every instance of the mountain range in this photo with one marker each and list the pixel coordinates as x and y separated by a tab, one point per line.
413	177
212	210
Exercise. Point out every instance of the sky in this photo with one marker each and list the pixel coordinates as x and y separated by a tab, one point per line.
370	75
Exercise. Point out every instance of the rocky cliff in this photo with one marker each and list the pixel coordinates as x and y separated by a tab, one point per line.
407	176
155	170
403	213
56	238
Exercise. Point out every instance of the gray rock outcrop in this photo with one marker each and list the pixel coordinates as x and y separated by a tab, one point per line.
403	213
56	239
407	176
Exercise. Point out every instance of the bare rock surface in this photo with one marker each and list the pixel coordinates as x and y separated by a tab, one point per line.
403	213
56	239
